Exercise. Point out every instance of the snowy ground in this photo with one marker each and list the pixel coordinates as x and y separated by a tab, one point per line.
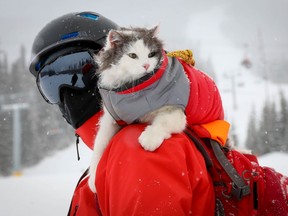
47	188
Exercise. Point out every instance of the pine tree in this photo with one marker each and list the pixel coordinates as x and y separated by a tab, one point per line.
6	143
283	126
267	130
274	136
252	139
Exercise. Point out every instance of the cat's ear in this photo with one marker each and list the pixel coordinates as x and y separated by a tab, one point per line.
114	38
155	30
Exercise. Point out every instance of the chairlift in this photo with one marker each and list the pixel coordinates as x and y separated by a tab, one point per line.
246	63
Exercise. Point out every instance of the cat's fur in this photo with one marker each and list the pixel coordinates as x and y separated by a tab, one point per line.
129	54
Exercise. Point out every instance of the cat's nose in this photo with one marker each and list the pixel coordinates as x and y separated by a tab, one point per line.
146	66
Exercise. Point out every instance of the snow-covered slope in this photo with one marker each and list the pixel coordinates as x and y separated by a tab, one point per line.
45	189
276	160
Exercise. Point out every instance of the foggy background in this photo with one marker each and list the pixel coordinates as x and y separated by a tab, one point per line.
216	24
231	40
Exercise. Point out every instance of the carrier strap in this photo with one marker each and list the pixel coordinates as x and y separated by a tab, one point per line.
200	146
239	188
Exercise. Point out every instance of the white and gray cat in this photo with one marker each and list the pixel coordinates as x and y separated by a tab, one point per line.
129	54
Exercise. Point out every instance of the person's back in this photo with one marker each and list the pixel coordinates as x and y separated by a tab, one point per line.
173	180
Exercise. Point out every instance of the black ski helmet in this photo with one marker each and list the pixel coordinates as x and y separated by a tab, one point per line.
87	29
63	35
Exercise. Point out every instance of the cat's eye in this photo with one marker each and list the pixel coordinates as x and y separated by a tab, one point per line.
151	54
132	55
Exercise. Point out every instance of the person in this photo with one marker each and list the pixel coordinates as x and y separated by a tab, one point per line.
173	180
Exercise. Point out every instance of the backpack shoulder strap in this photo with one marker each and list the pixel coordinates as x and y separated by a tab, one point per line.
201	147
240	189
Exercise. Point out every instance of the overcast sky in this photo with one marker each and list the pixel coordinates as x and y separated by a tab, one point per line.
183	23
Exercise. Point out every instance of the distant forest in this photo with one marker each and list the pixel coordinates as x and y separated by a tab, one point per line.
270	133
41	127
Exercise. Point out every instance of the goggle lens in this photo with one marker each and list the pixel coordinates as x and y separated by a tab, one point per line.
72	70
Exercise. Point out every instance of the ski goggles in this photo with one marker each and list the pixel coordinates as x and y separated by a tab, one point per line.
73	70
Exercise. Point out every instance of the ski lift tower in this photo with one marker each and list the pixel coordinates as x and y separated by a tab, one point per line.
17	130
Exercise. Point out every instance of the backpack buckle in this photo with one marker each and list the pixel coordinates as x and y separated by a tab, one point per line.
240	192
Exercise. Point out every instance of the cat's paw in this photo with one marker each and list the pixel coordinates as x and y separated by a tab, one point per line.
151	138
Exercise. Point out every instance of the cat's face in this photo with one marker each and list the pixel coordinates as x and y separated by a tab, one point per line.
139	59
129	55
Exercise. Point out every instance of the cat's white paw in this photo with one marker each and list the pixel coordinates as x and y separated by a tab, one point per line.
151	138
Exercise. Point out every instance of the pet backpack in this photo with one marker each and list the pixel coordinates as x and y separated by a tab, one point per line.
242	186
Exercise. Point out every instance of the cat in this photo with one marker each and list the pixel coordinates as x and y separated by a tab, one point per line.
129	55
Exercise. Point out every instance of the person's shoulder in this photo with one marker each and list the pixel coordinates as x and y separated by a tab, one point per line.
133	131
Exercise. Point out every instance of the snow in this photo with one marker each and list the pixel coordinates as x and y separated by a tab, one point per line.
276	160
45	189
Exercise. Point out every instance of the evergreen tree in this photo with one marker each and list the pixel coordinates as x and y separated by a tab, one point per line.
267	132
274	136
252	139
283	126
6	152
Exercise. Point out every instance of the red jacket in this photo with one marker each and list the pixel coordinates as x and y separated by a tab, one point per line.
173	180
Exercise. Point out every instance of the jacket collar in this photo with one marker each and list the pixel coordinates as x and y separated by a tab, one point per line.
88	130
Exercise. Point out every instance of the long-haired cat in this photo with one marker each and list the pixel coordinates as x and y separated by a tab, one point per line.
129	55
